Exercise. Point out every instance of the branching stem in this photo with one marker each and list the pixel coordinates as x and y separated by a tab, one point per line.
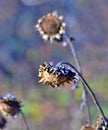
78	65
87	87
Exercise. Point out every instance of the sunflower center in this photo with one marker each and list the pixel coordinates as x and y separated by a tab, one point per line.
51	25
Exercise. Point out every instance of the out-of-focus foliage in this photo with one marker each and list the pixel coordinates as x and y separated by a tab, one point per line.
22	50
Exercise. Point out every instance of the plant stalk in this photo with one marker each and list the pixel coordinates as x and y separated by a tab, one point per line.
25	121
77	62
87	87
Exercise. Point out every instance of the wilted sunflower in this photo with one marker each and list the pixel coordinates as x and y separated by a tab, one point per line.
10	106
56	76
51	26
3	122
87	127
100	124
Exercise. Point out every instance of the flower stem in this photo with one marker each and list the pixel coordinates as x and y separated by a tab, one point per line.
75	55
25	121
87	87
86	96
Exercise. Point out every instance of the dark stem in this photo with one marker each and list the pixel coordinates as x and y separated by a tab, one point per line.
87	87
86	96
25	121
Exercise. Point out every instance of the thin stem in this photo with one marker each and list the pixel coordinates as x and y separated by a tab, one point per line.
87	87
93	96
75	55
25	121
78	64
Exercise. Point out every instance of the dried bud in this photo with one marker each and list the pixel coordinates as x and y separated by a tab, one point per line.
51	27
87	127
56	76
100	124
10	106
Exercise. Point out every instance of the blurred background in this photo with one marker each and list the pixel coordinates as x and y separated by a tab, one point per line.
22	50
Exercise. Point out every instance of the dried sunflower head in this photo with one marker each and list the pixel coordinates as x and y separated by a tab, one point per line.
51	27
10	106
100	124
87	127
3	122
56	76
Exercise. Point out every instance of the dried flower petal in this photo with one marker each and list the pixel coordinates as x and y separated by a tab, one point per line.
87	127
55	77
51	26
10	106
100	124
